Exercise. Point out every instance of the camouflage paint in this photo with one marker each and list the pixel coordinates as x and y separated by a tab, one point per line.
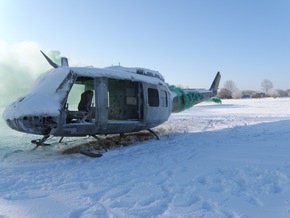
184	99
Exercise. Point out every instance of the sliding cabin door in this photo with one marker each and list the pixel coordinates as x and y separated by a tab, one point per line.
157	104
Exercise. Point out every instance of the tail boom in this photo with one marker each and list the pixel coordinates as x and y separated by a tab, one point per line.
183	99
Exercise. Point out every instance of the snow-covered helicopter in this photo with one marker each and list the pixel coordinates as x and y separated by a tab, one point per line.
86	101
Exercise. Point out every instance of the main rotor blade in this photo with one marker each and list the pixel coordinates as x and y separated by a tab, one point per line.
49	60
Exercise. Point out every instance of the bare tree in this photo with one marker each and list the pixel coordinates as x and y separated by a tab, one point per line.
278	93
224	93
248	93
230	86
266	85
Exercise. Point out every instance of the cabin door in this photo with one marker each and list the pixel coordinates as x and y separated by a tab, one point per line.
125	100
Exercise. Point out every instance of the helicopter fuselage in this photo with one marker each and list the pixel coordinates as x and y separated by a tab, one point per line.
124	100
80	101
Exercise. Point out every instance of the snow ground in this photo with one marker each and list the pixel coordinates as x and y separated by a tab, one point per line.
228	160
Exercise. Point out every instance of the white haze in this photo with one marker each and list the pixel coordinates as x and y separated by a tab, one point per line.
20	64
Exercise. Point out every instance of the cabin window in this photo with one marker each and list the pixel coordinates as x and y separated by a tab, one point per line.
131	96
131	101
153	97
163	98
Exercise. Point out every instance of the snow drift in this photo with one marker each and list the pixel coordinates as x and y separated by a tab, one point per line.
213	160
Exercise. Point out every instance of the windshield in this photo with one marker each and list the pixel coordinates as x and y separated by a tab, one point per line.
50	81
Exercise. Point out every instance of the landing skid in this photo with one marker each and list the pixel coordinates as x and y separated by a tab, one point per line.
61	139
40	142
154	133
101	142
97	154
93	154
90	153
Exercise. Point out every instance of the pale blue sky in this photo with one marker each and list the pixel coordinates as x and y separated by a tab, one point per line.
187	41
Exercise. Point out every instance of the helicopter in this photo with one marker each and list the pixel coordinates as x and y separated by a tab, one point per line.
86	101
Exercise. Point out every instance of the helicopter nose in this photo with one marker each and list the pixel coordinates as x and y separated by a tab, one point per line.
20	116
31	124
15	124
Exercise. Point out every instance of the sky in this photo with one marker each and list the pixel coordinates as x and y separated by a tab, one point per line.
187	41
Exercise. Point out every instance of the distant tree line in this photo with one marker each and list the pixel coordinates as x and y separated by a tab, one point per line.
230	91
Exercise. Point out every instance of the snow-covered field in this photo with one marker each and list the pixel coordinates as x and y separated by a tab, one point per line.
228	160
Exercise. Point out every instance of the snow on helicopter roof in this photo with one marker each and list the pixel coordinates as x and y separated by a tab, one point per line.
141	71
119	72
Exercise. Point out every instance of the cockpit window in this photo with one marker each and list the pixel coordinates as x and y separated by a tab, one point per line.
81	84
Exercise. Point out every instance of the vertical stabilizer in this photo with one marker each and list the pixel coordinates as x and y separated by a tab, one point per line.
215	84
